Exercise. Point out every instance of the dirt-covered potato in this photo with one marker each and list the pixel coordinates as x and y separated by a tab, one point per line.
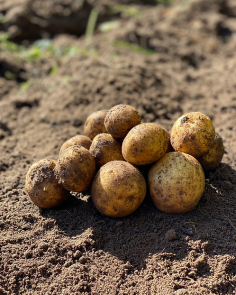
121	119
193	134
176	182
42	185
95	124
211	159
145	144
118	189
82	140
105	148
75	168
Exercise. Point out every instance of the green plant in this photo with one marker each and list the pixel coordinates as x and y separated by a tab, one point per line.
133	47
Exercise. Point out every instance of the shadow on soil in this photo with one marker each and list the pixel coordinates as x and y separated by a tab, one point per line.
134	237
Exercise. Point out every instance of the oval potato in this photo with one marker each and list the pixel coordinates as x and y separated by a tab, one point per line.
95	124
105	148
42	185
75	168
145	144
118	189
176	183
82	140
211	159
121	119
192	133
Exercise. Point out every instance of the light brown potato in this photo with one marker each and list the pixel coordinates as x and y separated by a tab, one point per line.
211	159
95	124
105	148
42	185
145	144
121	119
193	134
75	169
176	182
82	140
118	189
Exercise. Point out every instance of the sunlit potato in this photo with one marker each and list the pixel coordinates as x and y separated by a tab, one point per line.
212	158
145	144
176	183
42	185
105	148
118	189
75	169
82	140
95	124
121	119
192	133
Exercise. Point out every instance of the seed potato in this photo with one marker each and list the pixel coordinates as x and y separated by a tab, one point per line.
95	124
42	185
105	148
75	168
176	183
193	134
82	140
145	144
121	119
118	189
211	159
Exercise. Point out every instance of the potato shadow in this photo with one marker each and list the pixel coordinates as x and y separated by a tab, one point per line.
135	237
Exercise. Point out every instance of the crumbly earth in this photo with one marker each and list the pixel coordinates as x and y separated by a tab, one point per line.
73	249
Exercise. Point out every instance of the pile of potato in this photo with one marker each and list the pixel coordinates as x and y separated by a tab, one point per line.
118	145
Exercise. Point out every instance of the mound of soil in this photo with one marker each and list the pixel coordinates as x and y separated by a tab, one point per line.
73	249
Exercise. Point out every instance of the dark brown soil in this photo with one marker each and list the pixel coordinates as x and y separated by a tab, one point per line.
73	249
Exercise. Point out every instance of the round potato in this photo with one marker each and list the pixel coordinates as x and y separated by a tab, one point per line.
42	185
145	144
82	140
75	168
211	159
118	189
120	119
95	124
193	134
105	148
176	182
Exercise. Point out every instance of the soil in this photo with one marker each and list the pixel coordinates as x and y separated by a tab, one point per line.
73	249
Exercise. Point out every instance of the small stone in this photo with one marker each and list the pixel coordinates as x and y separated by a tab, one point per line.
83	260
171	235
77	254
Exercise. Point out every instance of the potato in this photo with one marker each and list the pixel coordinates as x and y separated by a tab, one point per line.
145	144
42	185
193	134
95	124
118	189
105	148
176	182
120	119
75	168
82	140
211	159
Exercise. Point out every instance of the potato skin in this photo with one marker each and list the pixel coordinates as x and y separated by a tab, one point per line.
82	140
145	144
121	119
95	124
75	169
211	159
176	183
118	189
193	134
42	185
105	148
